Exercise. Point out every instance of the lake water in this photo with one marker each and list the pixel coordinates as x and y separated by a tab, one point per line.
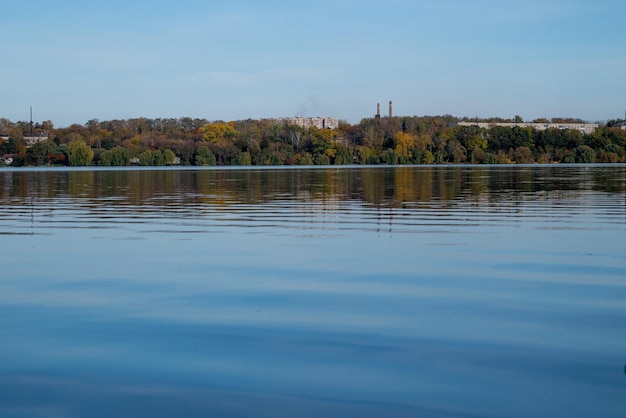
314	292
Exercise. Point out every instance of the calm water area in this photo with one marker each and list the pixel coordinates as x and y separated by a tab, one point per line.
453	291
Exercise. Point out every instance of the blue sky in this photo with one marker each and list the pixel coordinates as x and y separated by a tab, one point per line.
73	61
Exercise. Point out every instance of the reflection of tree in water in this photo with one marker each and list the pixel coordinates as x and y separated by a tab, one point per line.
386	187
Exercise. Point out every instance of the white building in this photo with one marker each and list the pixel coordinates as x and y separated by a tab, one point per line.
584	128
306	123
30	140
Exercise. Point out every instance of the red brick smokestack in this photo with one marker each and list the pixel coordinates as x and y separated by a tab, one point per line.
390	110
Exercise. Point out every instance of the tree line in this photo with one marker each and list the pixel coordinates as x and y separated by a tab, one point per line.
399	140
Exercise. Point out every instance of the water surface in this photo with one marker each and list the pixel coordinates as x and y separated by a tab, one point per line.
358	291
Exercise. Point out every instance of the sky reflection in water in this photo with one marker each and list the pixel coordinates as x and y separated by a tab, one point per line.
398	291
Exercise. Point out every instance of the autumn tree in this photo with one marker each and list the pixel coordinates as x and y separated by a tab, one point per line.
457	152
221	138
218	132
523	155
404	145
322	145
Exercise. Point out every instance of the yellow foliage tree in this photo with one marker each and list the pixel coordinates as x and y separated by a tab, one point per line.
322	140
405	143
219	131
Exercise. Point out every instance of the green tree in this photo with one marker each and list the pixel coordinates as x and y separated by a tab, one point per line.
169	156
9	146
145	158
572	138
205	157
306	159
269	157
342	157
374	159
477	142
585	154
523	137
616	149
490	158
321	160
79	153
243	158
389	156
158	159
362	154
115	157
428	157
41	150
569	157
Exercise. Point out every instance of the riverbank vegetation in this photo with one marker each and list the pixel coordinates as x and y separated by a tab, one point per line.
400	140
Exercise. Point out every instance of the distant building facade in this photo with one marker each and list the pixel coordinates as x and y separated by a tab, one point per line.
584	128
306	123
30	140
